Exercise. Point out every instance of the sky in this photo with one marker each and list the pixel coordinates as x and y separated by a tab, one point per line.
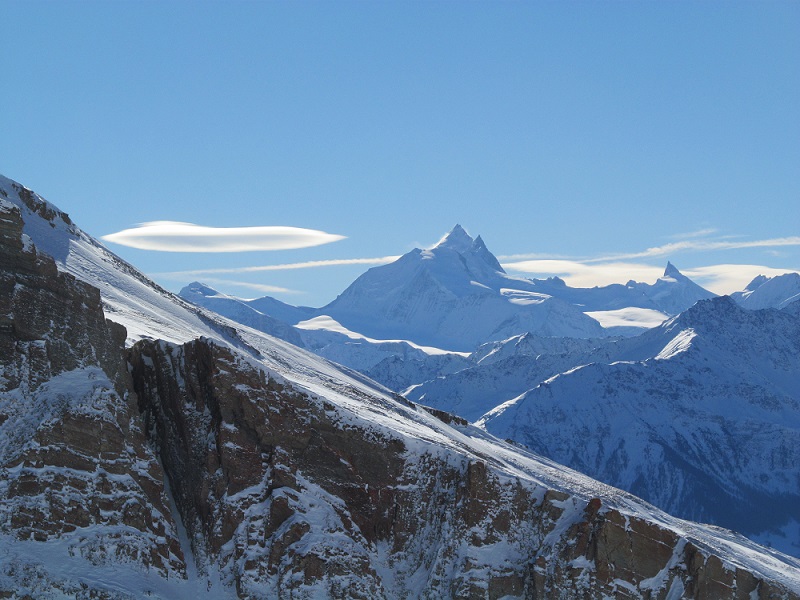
281	149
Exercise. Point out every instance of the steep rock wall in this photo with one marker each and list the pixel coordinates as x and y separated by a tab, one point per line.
75	464
295	497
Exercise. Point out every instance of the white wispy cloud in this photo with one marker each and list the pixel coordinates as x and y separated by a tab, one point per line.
700	245
728	278
581	274
533	256
689	244
173	236
693	234
311	264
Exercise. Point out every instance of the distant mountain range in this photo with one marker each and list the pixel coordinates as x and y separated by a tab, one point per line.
456	296
421	316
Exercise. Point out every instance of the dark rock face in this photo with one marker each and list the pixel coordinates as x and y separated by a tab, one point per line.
74	460
286	492
49	321
257	467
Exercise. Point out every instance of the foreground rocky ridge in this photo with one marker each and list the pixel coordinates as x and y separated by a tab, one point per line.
328	487
290	494
75	465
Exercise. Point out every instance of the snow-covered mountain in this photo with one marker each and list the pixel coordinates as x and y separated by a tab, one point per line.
500	371
453	296
404	323
221	462
770	292
700	416
674	292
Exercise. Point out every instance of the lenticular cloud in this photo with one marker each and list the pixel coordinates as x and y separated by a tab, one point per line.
172	236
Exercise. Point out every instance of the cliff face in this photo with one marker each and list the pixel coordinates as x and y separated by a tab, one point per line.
49	323
325	489
293	498
75	465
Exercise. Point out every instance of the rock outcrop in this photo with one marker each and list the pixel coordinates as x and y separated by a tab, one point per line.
75	465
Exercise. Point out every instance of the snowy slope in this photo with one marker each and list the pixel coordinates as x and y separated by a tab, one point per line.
770	292
242	310
352	404
129	298
503	370
700	416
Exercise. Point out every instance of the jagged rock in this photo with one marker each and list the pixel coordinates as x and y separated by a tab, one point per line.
50	319
292	496
74	460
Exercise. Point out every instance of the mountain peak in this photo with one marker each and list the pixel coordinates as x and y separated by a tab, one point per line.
757	282
672	271
458	239
480	250
197	287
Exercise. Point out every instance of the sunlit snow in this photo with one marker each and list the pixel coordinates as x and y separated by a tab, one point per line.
628	317
326	323
680	343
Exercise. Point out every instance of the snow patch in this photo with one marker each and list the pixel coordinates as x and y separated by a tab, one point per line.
326	323
680	343
646	318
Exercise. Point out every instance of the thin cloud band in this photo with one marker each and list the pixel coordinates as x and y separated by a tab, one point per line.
173	236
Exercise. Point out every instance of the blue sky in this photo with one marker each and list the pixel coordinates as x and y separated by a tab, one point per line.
610	137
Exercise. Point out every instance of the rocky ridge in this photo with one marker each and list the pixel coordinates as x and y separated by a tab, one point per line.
75	465
291	495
